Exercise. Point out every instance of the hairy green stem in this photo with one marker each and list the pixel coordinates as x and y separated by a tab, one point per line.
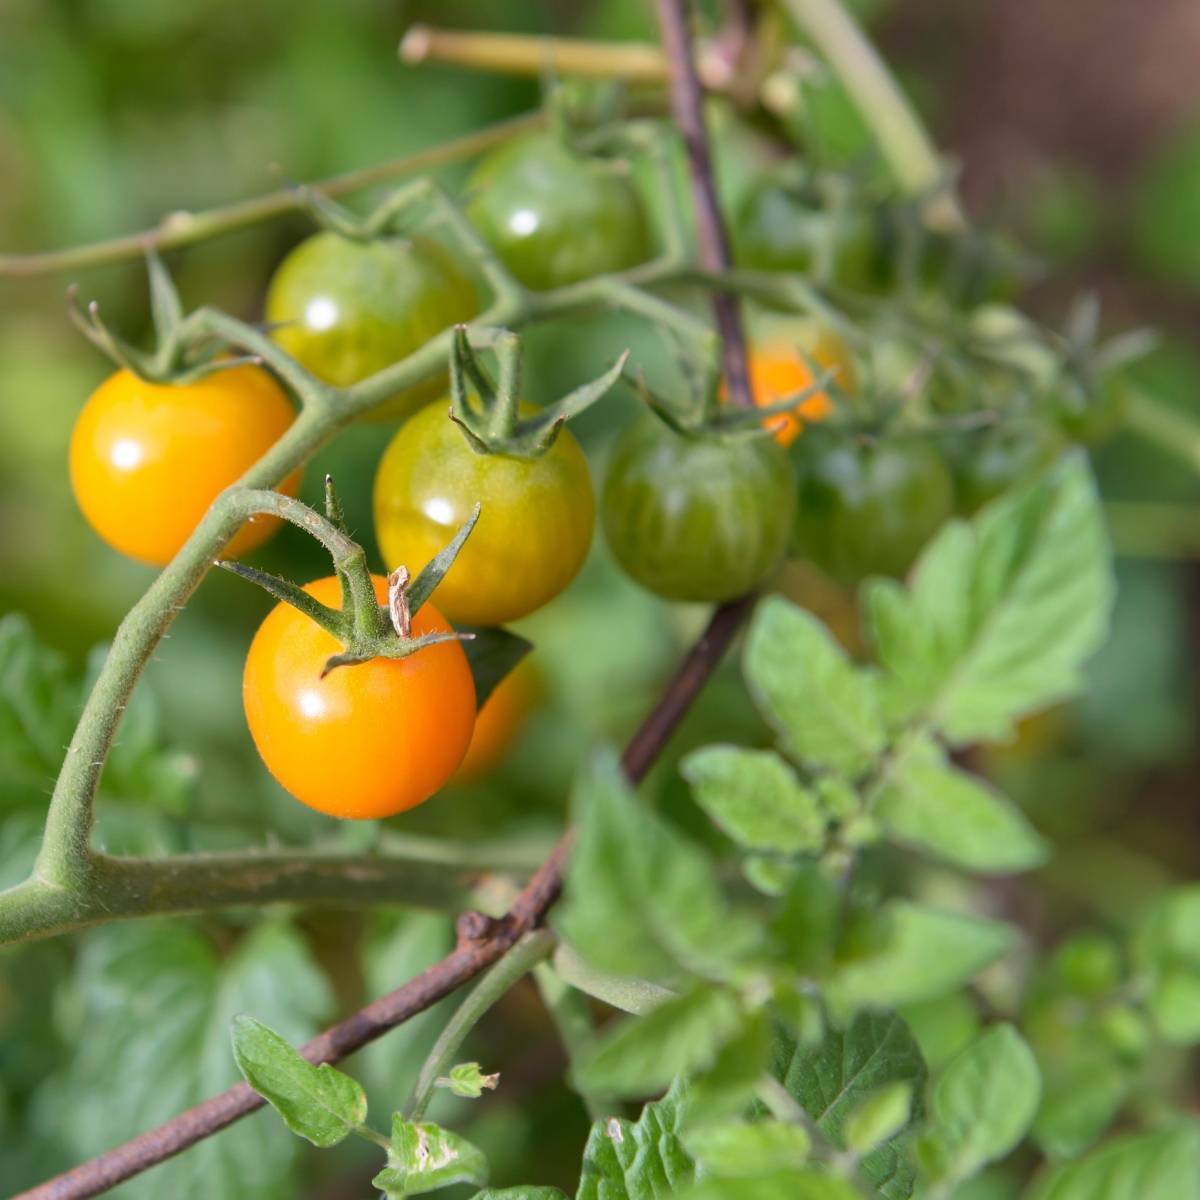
532	949
902	138
186	228
568	1010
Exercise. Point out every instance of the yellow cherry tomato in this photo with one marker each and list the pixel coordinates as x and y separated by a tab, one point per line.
148	459
368	740
777	371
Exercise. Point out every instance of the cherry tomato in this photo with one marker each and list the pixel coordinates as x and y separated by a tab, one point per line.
346	309
777	370
781	227
148	459
369	740
986	463
867	505
697	518
498	723
554	216
534	528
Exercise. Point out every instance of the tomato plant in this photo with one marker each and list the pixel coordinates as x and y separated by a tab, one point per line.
360	742
498	723
148	459
346	308
555	216
867	505
986	463
696	517
533	533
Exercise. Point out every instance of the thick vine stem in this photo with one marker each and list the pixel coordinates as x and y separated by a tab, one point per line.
187	228
902	138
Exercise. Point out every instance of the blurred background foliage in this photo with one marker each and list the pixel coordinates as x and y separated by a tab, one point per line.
114	112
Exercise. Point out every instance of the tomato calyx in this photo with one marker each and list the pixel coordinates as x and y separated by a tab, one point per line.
366	629
179	356
492	423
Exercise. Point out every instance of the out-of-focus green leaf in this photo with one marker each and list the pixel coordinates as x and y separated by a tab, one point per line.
1002	613
641	1055
642	1160
981	1105
824	708
755	798
929	804
806	1184
1164	1165
153	1009
639	899
1168	946
927	952
749	1149
879	1117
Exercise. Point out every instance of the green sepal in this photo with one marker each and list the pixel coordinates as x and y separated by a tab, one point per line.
493	424
435	569
396	647
329	619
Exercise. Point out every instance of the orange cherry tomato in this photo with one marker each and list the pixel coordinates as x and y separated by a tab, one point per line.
148	459
498	722
778	371
369	740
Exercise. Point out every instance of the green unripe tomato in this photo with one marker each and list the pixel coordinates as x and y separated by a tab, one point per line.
555	217
346	309
535	521
986	463
867	505
780	228
697	518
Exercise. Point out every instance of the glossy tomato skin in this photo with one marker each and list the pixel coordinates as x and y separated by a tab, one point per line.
535	524
778	369
368	740
779	228
696	518
148	459
555	217
346	309
867	506
987	463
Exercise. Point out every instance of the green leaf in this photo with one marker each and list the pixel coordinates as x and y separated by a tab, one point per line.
804	924
942	1025
435	569
491	655
645	1160
639	899
749	1149
424	1157
157	999
729	1086
879	1117
834	1077
926	952
981	1106
755	798
825	710
929	804
319	1103
1164	1165
1001	614
810	1184
639	1055
520	1193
